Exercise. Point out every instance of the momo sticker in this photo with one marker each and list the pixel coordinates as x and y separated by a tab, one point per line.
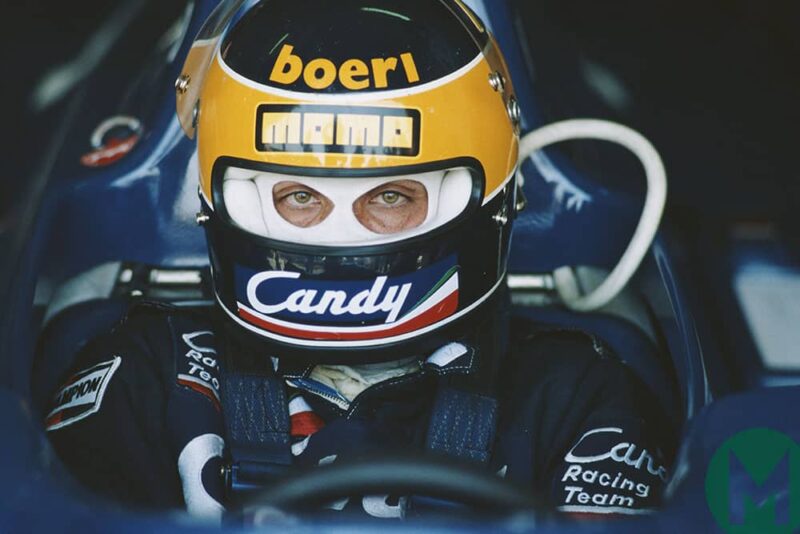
338	129
286	303
82	395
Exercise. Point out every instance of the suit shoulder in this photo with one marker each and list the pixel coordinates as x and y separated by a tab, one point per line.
566	353
140	351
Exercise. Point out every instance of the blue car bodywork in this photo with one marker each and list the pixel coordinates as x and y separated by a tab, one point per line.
141	209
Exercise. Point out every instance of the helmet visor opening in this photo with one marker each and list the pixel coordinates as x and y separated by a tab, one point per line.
345	211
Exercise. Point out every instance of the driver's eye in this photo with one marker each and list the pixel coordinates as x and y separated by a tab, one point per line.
391	197
394	207
302	197
300	205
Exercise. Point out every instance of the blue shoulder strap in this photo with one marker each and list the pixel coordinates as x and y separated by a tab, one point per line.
257	420
463	419
462	424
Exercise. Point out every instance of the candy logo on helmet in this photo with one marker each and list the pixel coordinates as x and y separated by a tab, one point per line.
285	303
333	302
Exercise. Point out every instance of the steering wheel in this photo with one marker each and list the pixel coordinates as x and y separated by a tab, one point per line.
440	478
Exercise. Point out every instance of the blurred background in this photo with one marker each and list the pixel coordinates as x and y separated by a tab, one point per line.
51	48
713	83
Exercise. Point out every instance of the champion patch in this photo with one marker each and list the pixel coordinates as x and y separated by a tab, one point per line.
82	395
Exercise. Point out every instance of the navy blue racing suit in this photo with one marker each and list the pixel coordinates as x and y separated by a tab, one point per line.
140	418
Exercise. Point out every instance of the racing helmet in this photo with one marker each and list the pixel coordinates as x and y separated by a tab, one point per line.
357	165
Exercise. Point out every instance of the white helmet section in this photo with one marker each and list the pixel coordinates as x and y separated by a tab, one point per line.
248	197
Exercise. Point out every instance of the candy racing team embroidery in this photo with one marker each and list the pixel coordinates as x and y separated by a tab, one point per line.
616	479
200	368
